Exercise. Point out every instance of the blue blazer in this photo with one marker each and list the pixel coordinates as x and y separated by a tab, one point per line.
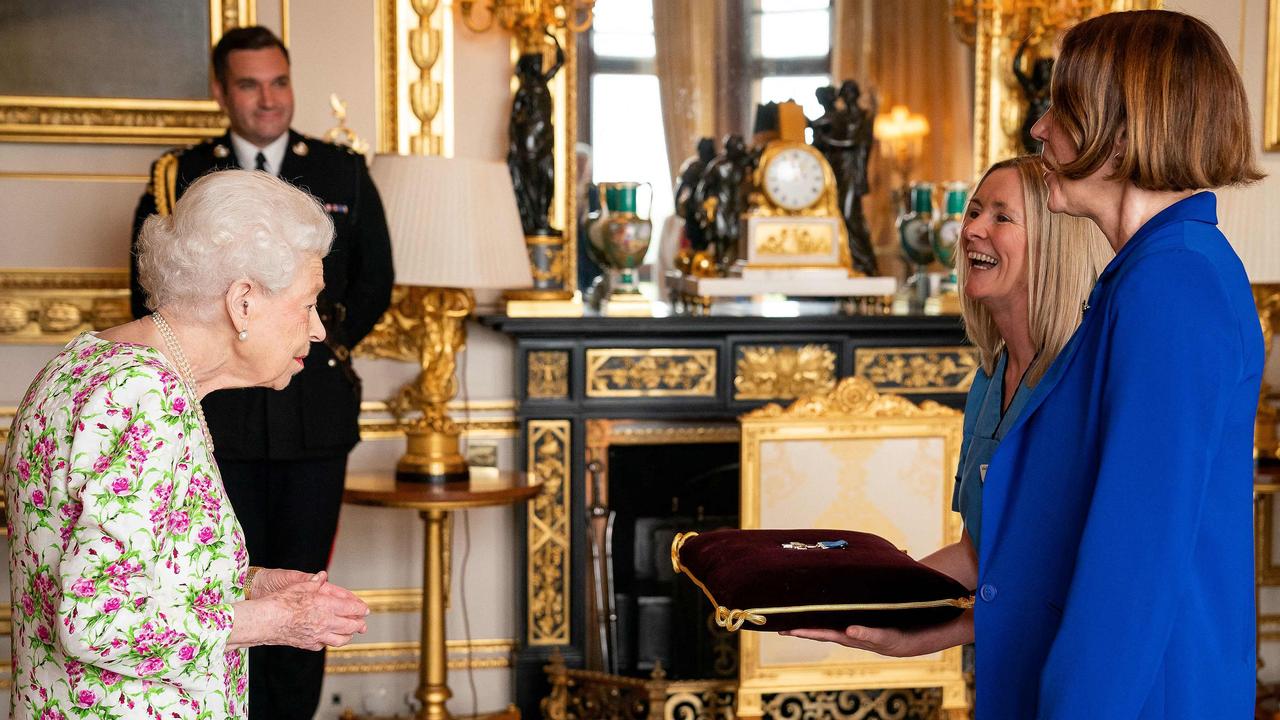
1116	561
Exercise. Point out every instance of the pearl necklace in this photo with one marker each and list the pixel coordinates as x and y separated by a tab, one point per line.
184	371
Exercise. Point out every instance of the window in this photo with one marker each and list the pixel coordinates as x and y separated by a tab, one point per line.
625	111
790	51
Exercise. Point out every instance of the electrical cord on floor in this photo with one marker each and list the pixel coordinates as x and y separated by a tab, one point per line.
466	553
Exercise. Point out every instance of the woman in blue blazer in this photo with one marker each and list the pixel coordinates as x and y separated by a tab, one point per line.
1116	562
1023	273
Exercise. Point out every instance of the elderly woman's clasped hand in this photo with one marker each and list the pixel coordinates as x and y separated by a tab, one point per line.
299	609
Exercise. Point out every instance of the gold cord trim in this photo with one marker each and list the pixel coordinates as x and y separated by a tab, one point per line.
732	620
164	182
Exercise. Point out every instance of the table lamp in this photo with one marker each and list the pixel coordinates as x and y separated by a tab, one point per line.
454	228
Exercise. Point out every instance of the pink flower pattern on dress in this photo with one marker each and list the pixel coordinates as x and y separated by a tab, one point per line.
125	557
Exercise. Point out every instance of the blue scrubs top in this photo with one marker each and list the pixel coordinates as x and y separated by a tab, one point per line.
984	428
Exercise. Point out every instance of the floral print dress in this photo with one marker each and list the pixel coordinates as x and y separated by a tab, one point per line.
125	555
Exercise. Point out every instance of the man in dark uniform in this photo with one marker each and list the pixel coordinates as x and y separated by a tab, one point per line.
283	454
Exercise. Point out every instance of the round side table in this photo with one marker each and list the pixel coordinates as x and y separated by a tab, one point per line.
434	503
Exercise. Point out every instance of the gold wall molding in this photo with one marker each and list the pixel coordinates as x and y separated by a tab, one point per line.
1271	97
651	372
392	600
854	397
499	422
162	121
377	657
415	54
74	177
475	419
49	306
912	370
767	372
547	373
548	543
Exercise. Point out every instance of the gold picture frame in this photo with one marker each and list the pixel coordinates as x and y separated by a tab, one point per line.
123	120
1271	100
852	459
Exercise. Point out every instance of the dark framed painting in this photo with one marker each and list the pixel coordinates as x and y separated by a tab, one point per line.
114	71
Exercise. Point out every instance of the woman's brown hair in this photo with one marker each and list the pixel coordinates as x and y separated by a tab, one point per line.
1165	82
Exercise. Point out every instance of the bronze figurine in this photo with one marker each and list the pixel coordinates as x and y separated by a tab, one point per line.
843	134
1035	89
531	138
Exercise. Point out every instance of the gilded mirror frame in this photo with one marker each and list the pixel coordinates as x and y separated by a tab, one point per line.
996	106
165	121
1271	101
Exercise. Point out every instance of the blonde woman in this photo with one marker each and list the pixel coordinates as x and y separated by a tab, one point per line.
1024	272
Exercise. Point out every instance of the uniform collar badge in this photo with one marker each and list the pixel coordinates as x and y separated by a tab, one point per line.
300	148
221	151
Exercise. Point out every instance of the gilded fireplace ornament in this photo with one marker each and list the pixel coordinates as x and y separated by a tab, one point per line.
548	533
767	372
162	121
907	371
548	374
651	372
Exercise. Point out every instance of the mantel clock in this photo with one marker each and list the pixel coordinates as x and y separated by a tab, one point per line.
792	220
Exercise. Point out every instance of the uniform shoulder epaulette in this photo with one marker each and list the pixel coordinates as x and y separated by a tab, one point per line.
164	180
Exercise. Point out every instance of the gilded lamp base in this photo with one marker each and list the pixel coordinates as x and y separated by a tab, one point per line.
431	456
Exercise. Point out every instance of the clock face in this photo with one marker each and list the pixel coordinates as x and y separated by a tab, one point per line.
793	179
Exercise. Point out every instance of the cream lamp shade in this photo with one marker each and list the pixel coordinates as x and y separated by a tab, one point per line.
453	222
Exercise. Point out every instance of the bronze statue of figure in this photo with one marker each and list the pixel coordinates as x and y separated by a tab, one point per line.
723	193
687	199
1035	88
843	134
531	141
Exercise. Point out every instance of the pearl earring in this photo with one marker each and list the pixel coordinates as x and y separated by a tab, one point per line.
243	335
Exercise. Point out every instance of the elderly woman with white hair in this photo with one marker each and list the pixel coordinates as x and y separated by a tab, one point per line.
132	593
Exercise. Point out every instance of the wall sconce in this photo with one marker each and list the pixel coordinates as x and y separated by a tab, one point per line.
901	135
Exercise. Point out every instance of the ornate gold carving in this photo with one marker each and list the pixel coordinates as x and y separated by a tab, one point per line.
853	397
917	370
50	306
393	337
651	372
403	656
388	78
548	374
996	28
640	432
582	694
1265	443
767	372
376	425
895	704
339	134
530	21
426	94
548	533
423	102
1271	98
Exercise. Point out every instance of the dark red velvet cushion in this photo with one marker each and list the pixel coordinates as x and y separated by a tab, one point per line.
745	571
